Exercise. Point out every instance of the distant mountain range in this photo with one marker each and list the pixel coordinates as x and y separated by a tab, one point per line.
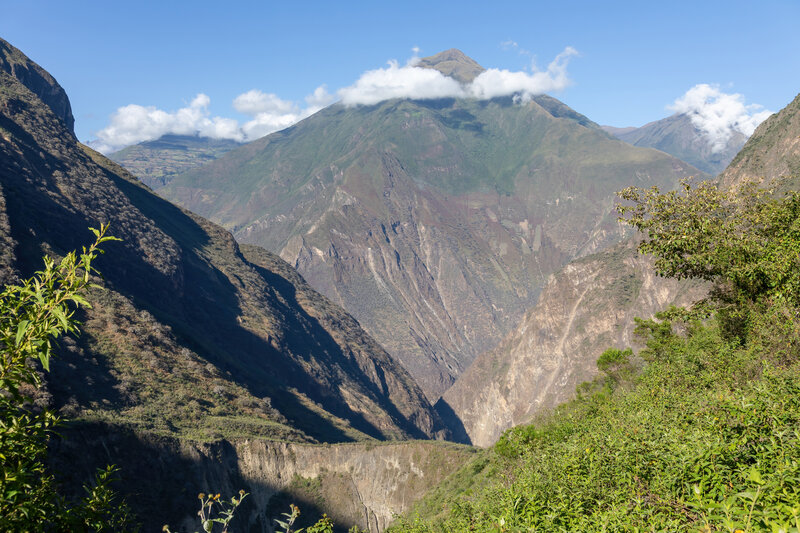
155	162
677	136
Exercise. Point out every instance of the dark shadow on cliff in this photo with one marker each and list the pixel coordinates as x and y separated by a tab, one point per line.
160	478
452	421
326	346
201	308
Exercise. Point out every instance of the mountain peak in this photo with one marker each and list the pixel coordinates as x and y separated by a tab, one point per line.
453	63
38	81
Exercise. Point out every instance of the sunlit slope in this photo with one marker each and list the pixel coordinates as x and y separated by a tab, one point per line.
435	223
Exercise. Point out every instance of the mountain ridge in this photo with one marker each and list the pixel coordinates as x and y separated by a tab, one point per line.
453	63
184	309
155	162
678	136
436	222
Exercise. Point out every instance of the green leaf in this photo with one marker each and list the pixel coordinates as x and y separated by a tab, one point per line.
22	327
44	357
755	476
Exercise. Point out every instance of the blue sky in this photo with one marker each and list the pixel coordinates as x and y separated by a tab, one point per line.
634	59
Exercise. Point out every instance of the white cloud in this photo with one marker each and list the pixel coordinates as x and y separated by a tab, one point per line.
319	98
395	81
254	102
418	83
719	115
269	113
133	123
493	82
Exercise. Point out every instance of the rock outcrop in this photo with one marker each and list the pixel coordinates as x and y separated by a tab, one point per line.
38	81
359	484
585	308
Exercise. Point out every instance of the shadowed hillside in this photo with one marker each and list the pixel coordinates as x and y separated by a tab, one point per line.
191	337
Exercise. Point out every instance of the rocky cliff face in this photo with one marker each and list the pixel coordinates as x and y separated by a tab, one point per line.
435	223
192	334
585	308
362	485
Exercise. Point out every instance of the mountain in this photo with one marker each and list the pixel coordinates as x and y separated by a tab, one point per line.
193	336
772	152
677	136
434	222
697	403
585	308
155	162
453	63
38	81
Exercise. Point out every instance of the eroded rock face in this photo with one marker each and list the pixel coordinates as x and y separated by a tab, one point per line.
435	223
362	484
587	307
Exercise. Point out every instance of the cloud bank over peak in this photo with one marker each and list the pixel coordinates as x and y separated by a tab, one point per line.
267	112
719	115
417	83
493	82
134	123
395	81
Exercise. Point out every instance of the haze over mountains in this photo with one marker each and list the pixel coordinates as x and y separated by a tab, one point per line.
155	162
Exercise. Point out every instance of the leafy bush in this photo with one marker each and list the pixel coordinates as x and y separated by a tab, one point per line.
32	315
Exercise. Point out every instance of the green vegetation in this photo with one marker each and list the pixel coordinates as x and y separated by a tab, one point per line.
216	510
32	316
707	436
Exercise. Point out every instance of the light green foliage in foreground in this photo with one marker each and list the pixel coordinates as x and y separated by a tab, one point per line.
707	436
32	315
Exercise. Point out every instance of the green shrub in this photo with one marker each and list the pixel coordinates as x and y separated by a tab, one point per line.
32	315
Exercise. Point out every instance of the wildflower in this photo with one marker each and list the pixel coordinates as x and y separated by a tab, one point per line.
201	496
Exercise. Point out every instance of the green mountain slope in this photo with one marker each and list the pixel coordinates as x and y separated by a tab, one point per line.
155	162
193	336
773	151
677	136
697	432
435	223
